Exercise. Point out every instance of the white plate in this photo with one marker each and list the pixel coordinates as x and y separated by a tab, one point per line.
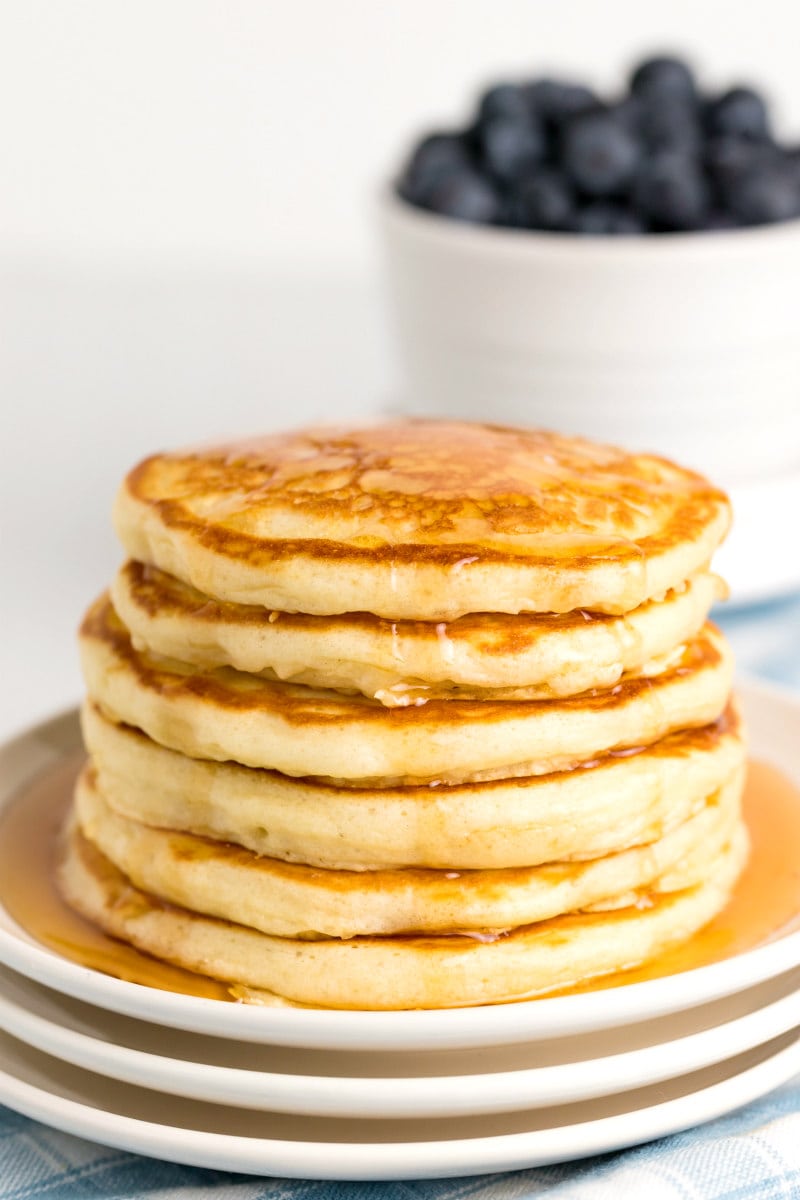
207	1135
386	1085
773	717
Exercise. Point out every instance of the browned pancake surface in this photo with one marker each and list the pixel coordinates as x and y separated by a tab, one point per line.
463	498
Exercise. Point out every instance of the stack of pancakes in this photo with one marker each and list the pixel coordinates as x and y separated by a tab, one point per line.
410	716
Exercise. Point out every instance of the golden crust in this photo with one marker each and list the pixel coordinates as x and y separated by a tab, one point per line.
295	900
226	714
482	655
425	520
619	800
401	972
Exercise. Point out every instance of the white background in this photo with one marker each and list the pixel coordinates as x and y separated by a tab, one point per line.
187	240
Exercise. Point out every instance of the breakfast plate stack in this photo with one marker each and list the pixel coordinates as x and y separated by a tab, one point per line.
414	828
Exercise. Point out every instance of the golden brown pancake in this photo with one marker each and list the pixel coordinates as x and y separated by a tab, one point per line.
293	900
225	714
619	800
530	656
415	715
411	971
423	520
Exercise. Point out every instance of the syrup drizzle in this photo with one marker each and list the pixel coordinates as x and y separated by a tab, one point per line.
765	904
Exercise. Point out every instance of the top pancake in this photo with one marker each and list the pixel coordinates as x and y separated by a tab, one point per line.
424	520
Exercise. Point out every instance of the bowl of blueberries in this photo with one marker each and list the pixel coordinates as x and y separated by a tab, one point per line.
624	267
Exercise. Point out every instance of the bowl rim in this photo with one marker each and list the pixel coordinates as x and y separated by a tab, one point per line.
492	240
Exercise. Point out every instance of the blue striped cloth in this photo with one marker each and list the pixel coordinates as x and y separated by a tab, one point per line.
753	1154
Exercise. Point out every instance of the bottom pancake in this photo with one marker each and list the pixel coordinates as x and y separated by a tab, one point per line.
403	972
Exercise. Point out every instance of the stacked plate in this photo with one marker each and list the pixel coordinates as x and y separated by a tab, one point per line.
376	1095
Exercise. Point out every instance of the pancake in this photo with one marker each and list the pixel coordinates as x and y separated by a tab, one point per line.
405	662
423	520
617	801
412	971
293	900
226	714
416	715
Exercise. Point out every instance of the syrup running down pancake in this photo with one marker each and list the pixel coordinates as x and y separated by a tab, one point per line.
298	730
482	656
412	971
423	714
428	520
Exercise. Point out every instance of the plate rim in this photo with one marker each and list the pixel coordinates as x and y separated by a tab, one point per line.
401	1160
355	1096
409	1030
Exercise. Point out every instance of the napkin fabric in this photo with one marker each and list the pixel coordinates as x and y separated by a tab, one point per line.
753	1154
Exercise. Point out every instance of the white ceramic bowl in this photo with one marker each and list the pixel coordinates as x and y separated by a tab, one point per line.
685	344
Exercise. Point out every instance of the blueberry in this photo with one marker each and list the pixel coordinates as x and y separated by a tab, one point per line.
793	157
466	196
740	112
436	156
671	191
766	194
545	200
511	213
630	112
509	147
504	100
599	153
556	101
672	124
547	154
719	220
663	78
604	217
727	157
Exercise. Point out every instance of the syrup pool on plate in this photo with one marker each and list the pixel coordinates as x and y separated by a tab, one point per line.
764	905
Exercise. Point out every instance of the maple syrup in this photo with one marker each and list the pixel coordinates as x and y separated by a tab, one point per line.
765	904
766	900
30	838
